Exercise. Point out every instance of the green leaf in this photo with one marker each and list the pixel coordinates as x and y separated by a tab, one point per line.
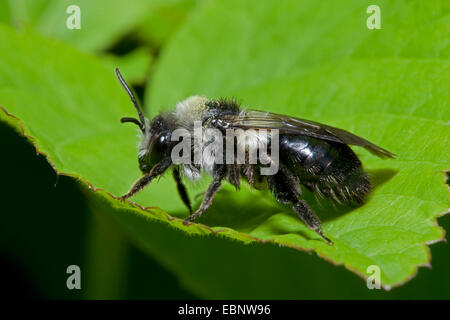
103	22
353	78
329	67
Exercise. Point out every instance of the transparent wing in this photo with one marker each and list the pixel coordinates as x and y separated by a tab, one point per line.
253	119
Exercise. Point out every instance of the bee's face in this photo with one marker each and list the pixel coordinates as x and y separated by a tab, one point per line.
153	152
155	144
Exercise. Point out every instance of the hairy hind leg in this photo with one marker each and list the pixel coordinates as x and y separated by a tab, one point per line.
309	218
286	189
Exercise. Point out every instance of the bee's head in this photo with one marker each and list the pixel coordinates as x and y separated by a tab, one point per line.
155	143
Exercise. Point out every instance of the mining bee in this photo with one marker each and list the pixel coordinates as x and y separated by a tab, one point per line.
312	154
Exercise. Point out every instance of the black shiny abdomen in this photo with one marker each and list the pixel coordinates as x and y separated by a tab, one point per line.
325	167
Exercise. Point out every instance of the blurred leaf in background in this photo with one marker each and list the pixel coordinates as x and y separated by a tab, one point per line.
126	34
103	22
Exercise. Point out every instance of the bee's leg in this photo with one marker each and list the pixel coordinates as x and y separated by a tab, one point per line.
309	218
215	185
157	170
182	189
286	187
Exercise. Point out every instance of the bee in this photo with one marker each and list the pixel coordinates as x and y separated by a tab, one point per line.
311	154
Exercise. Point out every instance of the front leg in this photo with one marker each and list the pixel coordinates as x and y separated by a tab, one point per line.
215	186
157	170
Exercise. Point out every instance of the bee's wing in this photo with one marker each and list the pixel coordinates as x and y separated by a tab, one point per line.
252	119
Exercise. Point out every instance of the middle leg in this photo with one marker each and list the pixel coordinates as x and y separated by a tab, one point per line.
182	189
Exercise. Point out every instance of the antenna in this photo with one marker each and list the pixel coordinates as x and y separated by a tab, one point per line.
140	123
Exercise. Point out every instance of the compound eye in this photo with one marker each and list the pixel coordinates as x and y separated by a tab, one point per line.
159	144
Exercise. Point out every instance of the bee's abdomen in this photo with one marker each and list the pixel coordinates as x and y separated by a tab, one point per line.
326	167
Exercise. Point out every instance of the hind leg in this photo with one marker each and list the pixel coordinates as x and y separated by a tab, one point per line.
286	189
309	218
